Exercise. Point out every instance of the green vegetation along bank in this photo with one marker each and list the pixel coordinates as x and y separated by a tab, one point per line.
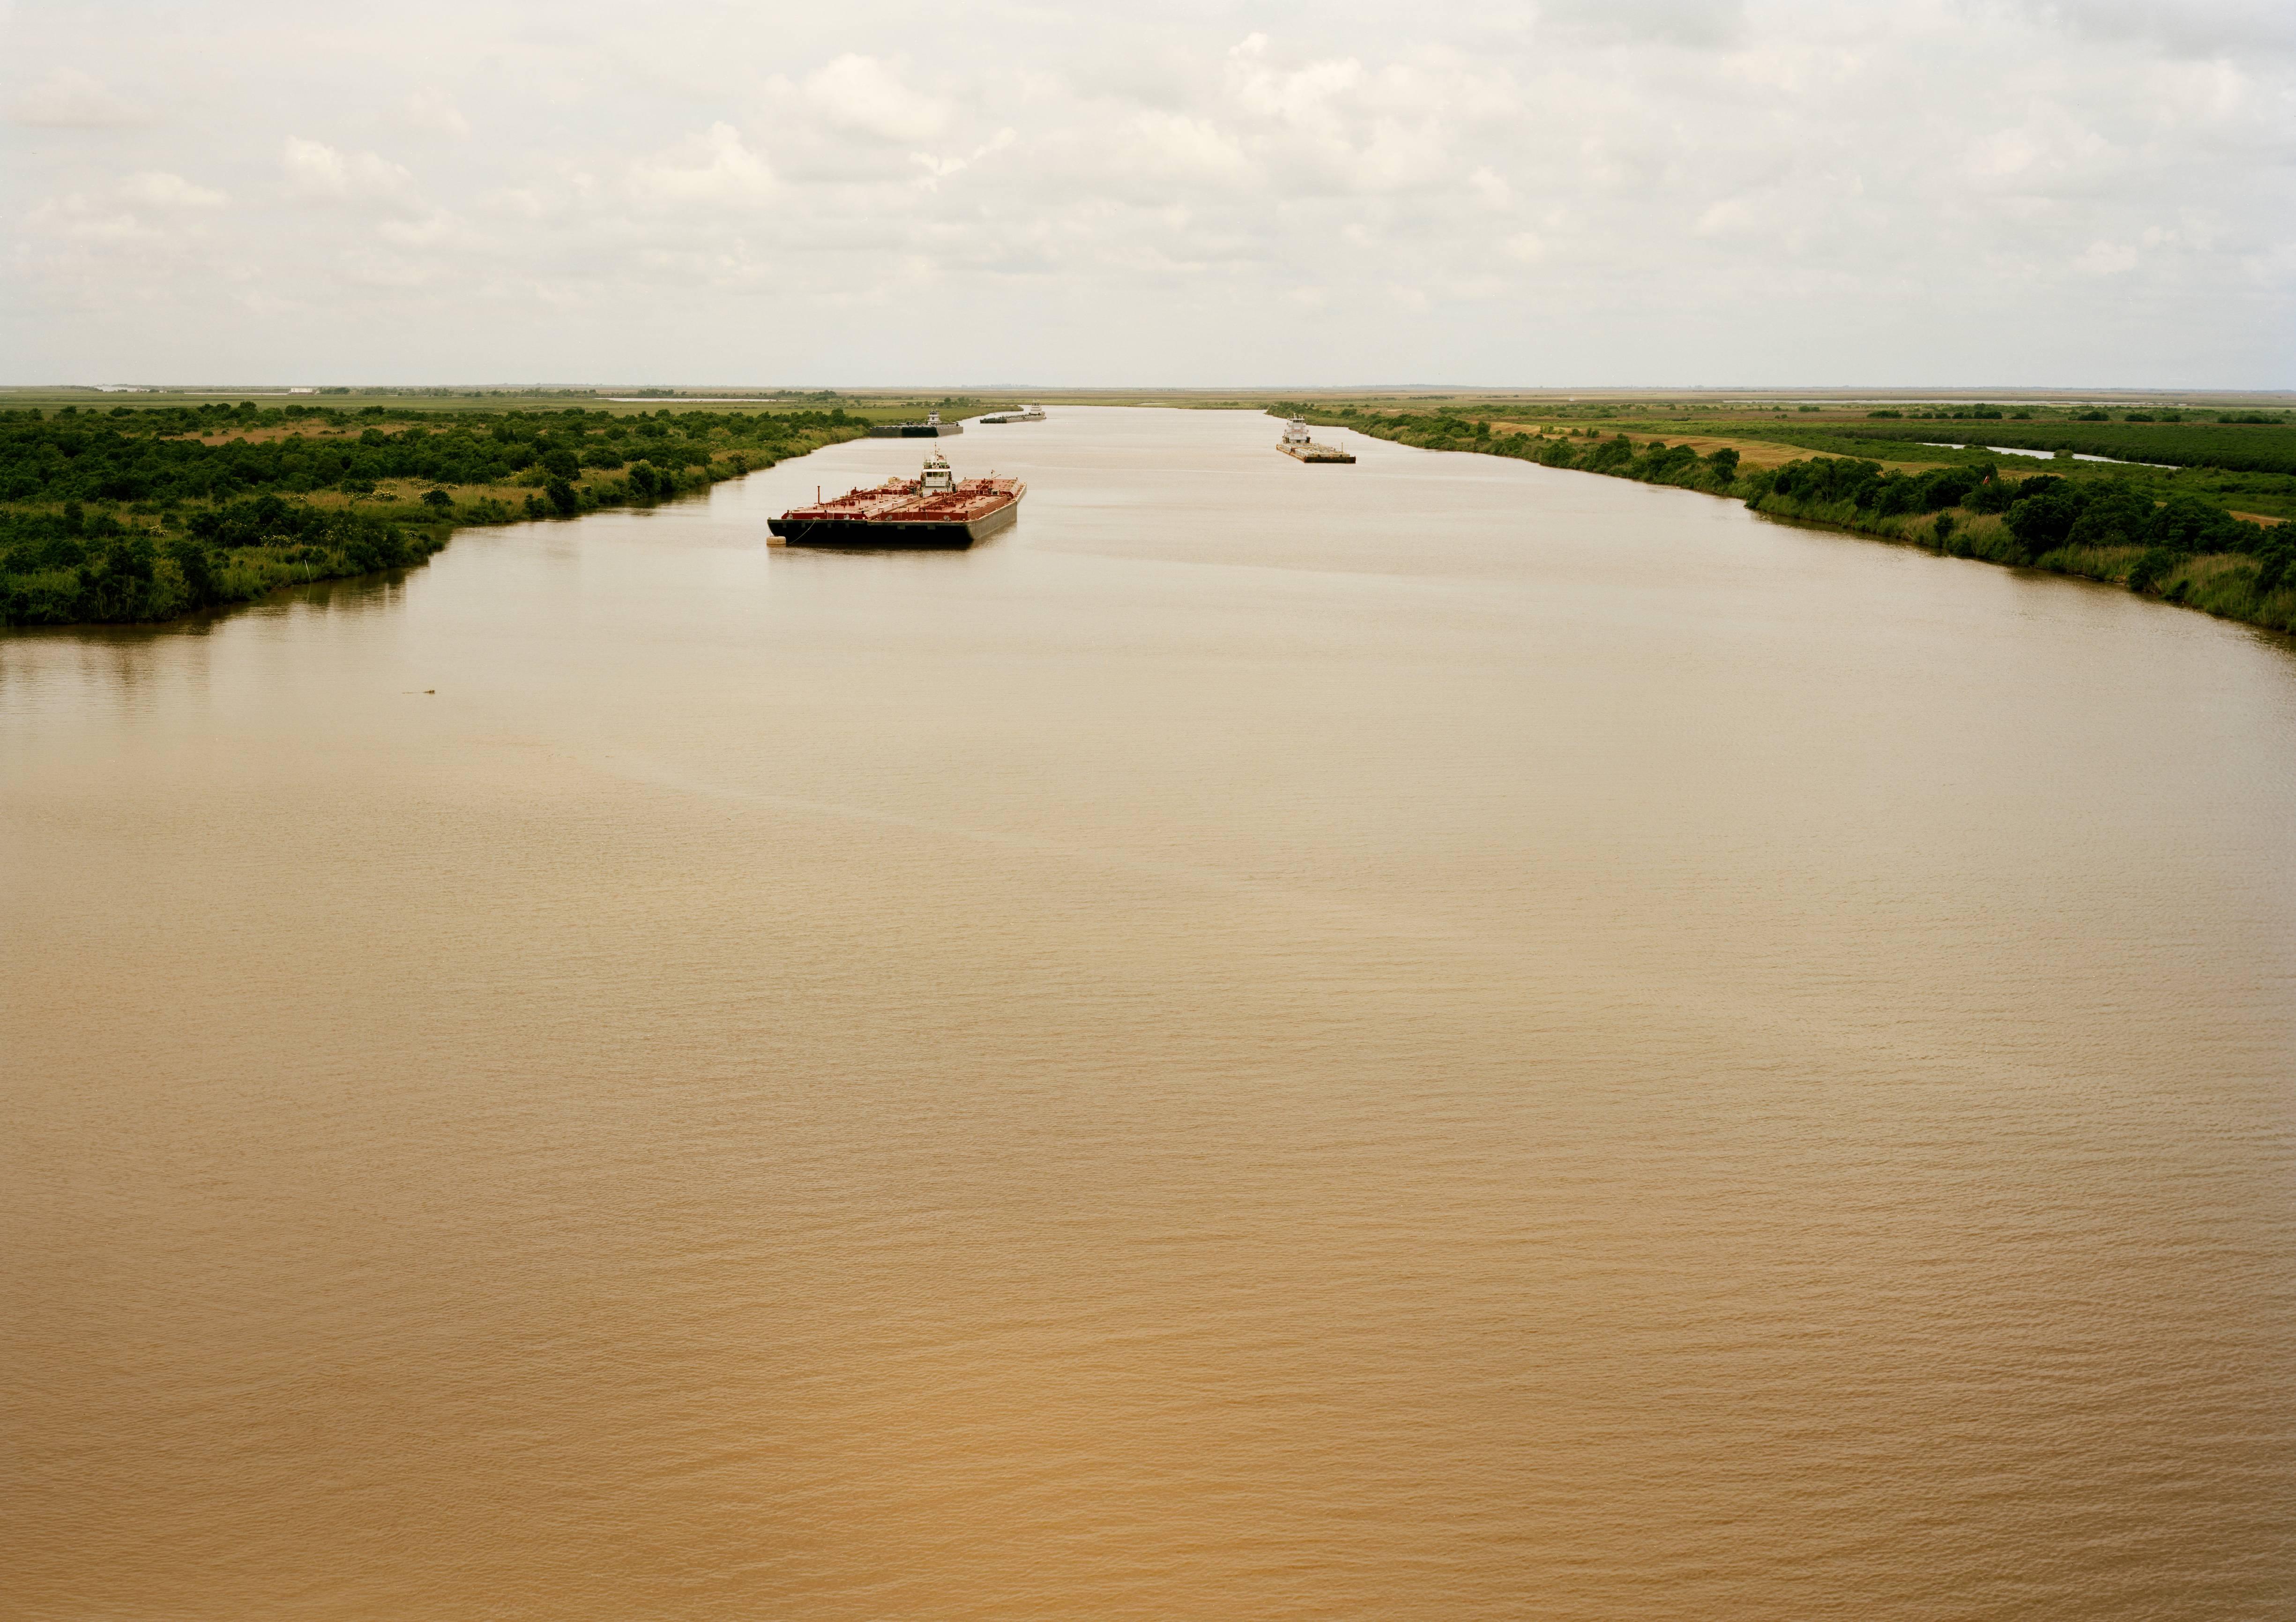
141	514
2181	547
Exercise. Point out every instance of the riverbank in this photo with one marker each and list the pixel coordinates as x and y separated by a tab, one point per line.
145	515
2183	549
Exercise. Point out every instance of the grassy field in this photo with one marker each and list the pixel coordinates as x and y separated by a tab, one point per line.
2267	448
398	406
1767	434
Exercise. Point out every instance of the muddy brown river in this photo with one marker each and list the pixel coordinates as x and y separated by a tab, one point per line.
1431	1040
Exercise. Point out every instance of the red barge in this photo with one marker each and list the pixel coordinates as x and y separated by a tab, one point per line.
937	509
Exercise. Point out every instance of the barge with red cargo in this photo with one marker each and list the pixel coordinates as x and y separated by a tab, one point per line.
937	509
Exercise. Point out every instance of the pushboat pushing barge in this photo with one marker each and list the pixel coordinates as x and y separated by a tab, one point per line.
1295	442
932	428
937	510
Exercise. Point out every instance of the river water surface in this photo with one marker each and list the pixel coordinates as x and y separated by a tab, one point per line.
1431	1040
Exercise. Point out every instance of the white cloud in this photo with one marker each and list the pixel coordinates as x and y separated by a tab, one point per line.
431	109
2106	259
317	172
1304	97
67	98
866	96
160	189
939	168
1691	24
370	267
427	232
1186	145
1578	189
81	219
2189	28
717	168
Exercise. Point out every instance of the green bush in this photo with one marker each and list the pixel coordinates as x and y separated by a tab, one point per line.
2273	564
2146	574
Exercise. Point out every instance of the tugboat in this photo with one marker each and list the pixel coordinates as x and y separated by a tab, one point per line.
932	428
935	510
1297	443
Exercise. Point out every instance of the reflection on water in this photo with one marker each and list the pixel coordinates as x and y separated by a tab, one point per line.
1422	1040
360	594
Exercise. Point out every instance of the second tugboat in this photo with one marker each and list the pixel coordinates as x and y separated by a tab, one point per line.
932	428
937	510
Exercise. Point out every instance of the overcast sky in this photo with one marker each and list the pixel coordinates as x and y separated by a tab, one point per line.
1928	193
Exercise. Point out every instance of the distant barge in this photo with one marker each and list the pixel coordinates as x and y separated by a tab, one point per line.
932	428
1026	413
937	511
1296	443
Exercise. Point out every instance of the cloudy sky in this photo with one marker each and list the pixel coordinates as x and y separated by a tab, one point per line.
1545	193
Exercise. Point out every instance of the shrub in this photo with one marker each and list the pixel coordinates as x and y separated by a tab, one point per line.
196	564
1991	493
2042	519
2273	564
2149	569
2114	516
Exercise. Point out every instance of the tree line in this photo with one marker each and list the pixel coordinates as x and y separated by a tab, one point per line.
155	455
71	567
139	515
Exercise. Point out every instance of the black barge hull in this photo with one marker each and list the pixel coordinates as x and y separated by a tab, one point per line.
860	535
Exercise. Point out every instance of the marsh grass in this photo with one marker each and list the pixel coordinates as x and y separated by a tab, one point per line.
2219	583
